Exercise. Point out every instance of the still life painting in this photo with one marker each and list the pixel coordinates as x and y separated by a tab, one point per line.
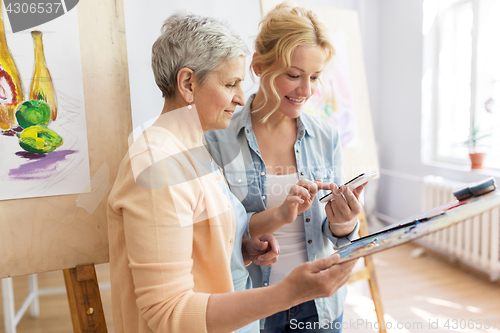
43	134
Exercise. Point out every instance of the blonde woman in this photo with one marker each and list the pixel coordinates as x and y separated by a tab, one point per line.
277	146
176	234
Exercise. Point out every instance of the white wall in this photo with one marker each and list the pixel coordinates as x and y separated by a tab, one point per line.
143	21
397	111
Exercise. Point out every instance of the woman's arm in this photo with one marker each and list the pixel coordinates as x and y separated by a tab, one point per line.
158	228
230	311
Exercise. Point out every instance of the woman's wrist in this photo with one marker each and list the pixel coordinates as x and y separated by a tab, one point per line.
343	229
284	294
244	252
280	215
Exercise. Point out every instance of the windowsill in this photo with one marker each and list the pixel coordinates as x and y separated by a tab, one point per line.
463	168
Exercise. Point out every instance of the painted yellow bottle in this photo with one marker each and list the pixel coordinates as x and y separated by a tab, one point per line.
11	88
41	84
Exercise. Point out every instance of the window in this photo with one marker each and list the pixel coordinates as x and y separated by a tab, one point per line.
461	80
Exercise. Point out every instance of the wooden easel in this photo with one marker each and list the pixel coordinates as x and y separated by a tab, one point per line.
368	273
34	229
84	299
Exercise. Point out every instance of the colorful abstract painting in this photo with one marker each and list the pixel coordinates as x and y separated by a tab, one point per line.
334	99
43	138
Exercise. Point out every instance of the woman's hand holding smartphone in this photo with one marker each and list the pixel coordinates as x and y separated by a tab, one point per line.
353	183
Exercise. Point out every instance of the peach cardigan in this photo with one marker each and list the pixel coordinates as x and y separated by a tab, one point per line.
171	231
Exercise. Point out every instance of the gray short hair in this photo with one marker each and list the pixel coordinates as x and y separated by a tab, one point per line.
199	43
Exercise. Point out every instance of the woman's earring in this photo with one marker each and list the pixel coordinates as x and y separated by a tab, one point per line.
189	106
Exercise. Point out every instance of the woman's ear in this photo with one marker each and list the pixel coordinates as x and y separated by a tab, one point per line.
185	81
256	67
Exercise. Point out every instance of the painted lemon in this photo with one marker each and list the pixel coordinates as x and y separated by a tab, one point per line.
39	139
31	113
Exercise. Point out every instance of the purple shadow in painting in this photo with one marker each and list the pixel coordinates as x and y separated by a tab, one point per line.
13	131
30	156
43	167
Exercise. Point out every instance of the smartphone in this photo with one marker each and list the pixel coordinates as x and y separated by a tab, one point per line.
353	183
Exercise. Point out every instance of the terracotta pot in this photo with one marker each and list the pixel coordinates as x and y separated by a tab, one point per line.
477	160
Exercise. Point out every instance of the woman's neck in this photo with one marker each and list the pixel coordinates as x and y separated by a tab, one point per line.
183	122
262	116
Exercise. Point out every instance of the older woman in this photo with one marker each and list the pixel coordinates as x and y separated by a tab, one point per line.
280	145
173	223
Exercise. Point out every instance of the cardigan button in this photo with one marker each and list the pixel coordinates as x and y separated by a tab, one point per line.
302	173
239	180
266	284
308	219
310	241
262	173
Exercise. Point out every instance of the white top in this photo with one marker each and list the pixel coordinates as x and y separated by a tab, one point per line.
291	237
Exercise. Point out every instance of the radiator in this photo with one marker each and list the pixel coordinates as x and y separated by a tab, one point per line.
474	242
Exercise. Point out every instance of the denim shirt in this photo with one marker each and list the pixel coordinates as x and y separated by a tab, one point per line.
318	154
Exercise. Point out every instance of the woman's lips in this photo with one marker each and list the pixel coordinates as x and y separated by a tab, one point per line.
297	101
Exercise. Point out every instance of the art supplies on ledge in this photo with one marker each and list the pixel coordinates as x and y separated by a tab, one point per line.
474	199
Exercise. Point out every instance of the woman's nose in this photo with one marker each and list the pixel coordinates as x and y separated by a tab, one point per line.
239	98
304	89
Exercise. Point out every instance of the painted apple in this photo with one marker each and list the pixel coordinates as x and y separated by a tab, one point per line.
33	112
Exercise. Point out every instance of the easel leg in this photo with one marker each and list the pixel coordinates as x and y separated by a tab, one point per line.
33	288
84	299
372	276
8	305
377	299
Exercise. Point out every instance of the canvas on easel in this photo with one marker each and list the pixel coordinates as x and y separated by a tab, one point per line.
69	231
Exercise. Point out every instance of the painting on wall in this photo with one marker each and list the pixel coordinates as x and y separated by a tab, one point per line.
43	138
334	98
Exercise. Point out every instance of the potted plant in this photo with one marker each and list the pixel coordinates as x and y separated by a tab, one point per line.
477	141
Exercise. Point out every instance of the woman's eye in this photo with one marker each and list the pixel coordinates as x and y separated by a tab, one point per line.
231	85
314	78
293	76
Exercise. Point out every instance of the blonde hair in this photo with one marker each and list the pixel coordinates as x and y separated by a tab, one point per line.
283	29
